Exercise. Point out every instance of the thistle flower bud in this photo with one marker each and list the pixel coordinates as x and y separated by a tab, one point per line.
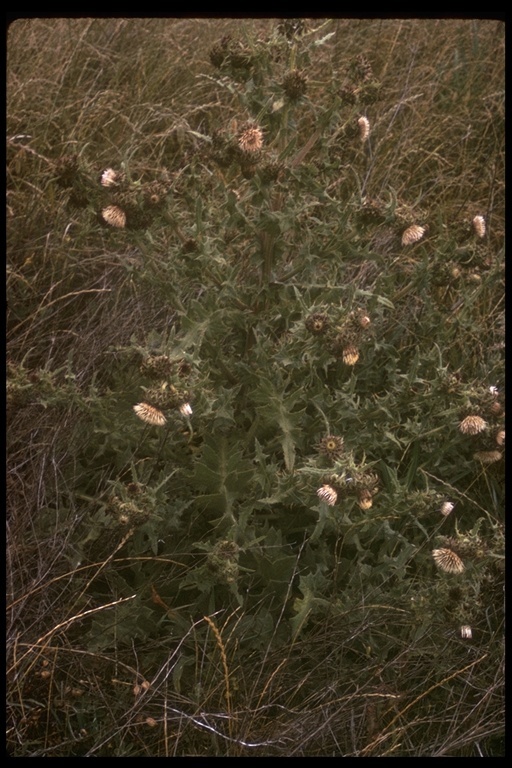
350	355
295	84
331	446
364	499
317	323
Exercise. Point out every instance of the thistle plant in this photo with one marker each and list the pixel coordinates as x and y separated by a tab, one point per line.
255	386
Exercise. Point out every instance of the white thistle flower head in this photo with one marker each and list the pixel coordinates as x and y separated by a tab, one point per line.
328	494
114	215
251	139
465	632
446	508
479	226
109	178
149	414
494	391
364	128
413	234
447	560
186	409
472	425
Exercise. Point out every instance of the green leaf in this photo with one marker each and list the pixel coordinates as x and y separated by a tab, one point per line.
309	585
222	471
275	407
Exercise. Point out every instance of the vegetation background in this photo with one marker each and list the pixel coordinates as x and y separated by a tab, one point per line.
264	232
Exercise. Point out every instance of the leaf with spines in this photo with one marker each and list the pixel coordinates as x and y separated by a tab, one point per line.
276	407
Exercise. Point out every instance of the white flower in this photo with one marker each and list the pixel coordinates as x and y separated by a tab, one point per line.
446	508
186	409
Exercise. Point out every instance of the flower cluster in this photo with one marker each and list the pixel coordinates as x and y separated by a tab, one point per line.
363	87
344	339
363	485
128	512
129	205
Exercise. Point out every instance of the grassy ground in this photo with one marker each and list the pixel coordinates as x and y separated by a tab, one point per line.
183	591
